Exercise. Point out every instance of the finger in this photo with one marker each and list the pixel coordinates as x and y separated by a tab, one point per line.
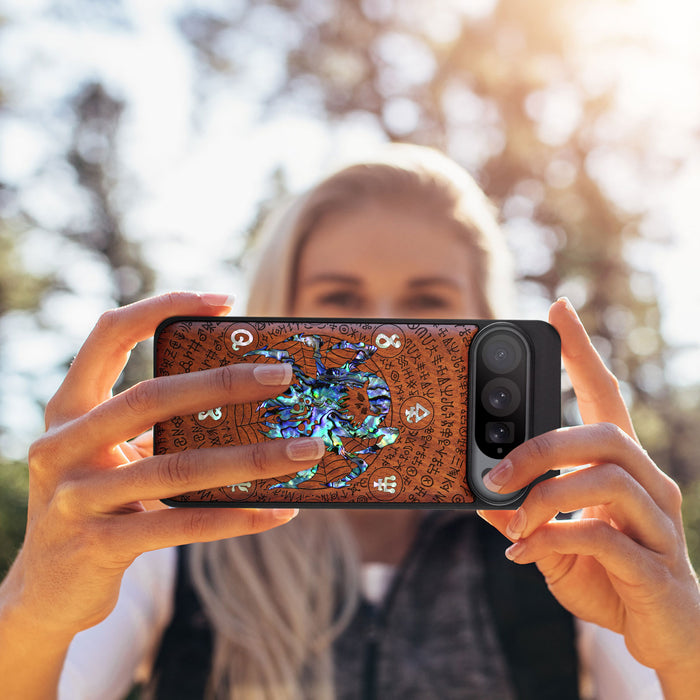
143	444
497	518
131	452
165	476
154	400
105	352
596	388
156	529
138	448
606	486
614	550
579	445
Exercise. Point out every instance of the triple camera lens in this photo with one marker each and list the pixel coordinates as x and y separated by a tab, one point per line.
500	389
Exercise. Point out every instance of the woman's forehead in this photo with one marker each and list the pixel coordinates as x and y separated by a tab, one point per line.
379	237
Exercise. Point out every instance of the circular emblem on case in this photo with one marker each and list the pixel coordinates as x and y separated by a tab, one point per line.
416	412
243	491
426	480
385	484
389	340
212	418
240	338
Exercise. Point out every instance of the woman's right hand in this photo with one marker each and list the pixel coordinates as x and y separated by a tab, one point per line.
86	516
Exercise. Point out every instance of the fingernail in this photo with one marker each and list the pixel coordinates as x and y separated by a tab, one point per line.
569	306
517	525
305	449
273	375
499	476
218	300
515	550
285	514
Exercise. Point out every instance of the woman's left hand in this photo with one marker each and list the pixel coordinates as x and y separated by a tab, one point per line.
623	564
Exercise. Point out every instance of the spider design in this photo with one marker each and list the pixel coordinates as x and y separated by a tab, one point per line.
318	407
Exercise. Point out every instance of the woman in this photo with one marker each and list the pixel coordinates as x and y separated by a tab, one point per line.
409	236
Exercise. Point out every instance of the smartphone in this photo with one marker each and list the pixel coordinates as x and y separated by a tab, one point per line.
413	413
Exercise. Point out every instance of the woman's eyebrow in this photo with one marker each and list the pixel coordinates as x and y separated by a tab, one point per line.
332	277
433	281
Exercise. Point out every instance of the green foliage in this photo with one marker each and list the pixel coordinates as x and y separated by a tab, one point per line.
93	155
14	484
18	289
691	521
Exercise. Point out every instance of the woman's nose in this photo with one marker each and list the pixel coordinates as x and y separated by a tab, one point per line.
383	308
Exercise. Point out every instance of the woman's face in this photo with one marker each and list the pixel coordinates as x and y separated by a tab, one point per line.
385	261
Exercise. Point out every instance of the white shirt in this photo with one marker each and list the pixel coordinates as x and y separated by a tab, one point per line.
104	661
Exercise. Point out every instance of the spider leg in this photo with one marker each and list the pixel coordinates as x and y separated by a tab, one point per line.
360	468
315	343
362	353
279	355
300	478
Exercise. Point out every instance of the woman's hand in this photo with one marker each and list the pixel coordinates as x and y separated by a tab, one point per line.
86	517
623	564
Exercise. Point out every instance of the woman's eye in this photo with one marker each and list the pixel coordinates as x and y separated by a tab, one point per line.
427	302
341	299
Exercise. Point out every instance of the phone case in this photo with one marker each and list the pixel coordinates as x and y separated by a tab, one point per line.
390	398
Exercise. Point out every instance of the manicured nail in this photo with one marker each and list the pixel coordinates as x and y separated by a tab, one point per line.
517	525
306	449
285	514
569	306
515	550
218	300
498	477
273	375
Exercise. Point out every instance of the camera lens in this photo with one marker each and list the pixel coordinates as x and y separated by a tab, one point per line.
502	353
500	396
499	432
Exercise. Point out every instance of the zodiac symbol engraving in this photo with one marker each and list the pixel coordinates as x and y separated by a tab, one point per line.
320	406
386	484
416	413
244	487
240	338
384	341
214	413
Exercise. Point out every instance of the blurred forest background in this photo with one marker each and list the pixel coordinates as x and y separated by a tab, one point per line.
580	119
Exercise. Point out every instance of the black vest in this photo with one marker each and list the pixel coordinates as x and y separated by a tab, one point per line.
397	650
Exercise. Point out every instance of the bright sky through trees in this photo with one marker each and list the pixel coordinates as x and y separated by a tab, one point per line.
196	161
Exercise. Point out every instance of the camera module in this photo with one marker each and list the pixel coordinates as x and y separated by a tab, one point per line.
505	359
501	389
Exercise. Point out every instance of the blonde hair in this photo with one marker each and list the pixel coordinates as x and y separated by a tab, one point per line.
277	600
404	175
